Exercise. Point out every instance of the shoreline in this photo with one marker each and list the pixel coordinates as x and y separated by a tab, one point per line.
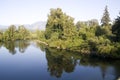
91	53
41	42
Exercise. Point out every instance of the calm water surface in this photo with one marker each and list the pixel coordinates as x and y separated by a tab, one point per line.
27	60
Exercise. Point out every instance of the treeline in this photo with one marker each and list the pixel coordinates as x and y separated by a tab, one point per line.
13	33
84	36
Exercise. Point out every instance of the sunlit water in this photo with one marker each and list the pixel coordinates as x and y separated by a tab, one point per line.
27	60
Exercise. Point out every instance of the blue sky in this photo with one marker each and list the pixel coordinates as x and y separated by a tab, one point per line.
30	11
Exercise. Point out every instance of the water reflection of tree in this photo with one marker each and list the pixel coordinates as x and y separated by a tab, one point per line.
58	62
103	64
10	45
117	66
1	43
41	46
64	61
23	45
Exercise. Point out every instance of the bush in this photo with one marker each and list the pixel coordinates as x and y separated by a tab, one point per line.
105	49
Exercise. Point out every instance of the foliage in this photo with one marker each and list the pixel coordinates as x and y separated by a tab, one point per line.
23	33
116	28
1	35
86	37
105	19
89	23
60	24
10	34
40	35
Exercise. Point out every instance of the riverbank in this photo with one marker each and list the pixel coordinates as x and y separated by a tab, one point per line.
82	50
42	42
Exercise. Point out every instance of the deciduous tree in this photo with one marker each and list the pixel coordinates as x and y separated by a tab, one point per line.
61	23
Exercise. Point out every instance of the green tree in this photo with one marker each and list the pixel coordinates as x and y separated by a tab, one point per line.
89	23
106	18
40	35
103	31
53	22
93	22
116	28
61	23
23	33
10	33
1	35
78	25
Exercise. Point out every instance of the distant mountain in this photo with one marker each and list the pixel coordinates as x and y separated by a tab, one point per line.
40	25
2	27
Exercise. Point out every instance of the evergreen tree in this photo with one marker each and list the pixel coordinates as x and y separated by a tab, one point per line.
116	28
106	18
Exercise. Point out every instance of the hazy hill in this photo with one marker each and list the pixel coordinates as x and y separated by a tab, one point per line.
37	25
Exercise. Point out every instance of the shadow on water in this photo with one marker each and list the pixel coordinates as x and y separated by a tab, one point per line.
60	61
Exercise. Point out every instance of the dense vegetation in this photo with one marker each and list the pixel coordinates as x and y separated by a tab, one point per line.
84	36
61	32
12	34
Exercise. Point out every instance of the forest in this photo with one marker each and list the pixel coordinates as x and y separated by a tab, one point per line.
85	37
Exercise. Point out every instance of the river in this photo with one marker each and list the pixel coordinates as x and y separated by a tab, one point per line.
28	60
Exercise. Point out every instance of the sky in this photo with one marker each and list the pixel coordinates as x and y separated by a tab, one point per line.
30	11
